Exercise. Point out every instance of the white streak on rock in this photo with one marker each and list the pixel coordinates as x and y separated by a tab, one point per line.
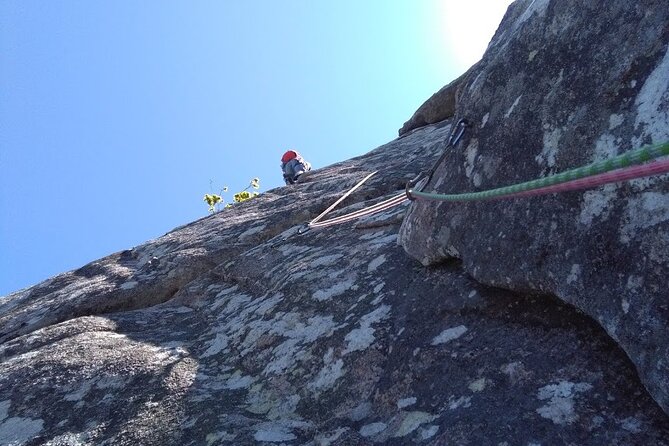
217	345
484	120
276	434
560	407
473	84
412	421
644	211
374	264
550	148
286	354
478	385
227	291
236	302
596	203
477	179
371	429
574	274
361	411
615	121
218	437
129	285
470	157
239	381
449	334
513	106
653	103
406	402
428	431
335	290
463	401
329	374
363	337
325	260
606	147
631	424
535	7
16	431
4	409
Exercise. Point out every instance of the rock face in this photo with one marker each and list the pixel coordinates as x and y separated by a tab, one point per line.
238	330
561	85
439	107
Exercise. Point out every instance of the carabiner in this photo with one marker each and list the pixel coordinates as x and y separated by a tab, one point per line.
460	129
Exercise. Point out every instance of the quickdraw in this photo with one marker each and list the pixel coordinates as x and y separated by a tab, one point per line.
422	178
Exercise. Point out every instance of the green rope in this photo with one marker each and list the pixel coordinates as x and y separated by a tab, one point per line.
638	156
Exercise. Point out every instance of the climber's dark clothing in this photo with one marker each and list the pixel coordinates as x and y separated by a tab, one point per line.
293	165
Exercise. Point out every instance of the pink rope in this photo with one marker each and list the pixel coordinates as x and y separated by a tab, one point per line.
624	174
387	204
333	205
614	176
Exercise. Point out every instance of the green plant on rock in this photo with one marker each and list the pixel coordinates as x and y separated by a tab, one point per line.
214	201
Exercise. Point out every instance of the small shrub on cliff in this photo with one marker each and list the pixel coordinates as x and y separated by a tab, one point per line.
215	201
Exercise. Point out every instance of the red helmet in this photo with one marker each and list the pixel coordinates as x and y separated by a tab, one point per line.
289	155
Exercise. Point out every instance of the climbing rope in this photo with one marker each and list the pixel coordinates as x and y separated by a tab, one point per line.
386	204
615	176
623	167
456	133
342	198
543	185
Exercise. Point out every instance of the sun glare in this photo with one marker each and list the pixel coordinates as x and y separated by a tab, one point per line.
468	27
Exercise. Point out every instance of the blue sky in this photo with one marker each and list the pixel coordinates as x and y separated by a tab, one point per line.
115	116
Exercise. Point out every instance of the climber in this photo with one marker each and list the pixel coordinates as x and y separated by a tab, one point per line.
293	165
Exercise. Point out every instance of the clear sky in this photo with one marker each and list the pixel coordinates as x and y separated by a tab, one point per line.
115	116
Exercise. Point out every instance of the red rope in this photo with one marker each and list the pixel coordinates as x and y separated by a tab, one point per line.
614	176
